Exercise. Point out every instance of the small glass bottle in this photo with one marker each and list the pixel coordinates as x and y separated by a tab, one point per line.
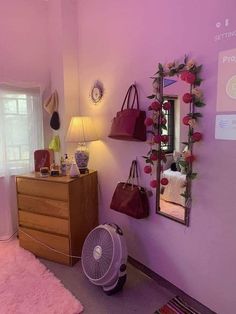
63	166
68	164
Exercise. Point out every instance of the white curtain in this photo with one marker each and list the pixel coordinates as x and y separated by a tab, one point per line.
21	133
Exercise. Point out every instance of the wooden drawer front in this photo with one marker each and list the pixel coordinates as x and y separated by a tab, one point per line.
51	190
43	206
44	223
56	242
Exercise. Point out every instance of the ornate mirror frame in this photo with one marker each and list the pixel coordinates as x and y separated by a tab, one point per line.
189	72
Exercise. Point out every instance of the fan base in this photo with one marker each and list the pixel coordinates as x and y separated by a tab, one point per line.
119	285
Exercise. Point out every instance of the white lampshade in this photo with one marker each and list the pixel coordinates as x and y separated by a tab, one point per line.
81	130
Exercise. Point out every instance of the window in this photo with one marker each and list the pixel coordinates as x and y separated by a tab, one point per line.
170	126
20	129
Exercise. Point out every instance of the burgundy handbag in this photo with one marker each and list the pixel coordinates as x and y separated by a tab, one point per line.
129	198
129	124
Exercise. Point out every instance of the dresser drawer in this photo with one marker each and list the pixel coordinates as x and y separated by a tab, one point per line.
44	223
33	242
43	206
40	188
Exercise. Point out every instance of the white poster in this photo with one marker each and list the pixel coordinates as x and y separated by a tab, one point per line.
225	127
226	89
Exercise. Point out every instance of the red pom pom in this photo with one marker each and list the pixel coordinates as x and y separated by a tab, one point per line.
164	181
147	169
157	138
155	106
153	184
163	121
162	156
148	121
164	138
190	78
167	105
187	98
183	75
197	136
186	120
190	158
153	156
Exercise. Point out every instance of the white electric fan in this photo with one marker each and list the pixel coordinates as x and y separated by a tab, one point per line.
104	258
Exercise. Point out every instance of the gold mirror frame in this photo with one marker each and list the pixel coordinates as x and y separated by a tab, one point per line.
189	72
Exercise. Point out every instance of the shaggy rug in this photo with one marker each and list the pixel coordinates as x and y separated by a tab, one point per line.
26	286
176	306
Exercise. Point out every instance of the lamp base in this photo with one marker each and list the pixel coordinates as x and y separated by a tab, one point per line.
83	171
82	158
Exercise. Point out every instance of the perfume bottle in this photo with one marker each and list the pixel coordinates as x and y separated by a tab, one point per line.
54	169
63	166
68	164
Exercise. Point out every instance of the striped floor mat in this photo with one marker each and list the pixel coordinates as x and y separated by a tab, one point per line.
176	306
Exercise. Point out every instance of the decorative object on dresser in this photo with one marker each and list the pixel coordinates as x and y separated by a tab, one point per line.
43	158
56	214
81	130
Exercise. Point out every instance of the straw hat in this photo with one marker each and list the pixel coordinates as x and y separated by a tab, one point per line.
51	104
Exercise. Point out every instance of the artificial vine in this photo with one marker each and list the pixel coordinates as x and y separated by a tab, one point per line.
189	72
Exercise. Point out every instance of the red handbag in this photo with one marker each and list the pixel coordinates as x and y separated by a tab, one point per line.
129	198
129	124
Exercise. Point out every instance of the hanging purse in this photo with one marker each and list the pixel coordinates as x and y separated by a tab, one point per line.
129	198
129	124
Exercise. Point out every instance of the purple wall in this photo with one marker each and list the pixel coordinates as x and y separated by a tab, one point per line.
121	42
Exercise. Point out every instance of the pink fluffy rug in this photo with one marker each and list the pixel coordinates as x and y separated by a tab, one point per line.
26	286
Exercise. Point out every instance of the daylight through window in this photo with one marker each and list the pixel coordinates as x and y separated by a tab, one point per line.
20	128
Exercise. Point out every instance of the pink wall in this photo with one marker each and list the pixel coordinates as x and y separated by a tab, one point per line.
121	42
24	41
63	62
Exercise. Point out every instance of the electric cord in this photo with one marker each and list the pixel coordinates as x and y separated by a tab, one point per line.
7	240
47	246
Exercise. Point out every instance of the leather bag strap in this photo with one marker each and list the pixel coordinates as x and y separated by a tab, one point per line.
128	96
133	174
135	97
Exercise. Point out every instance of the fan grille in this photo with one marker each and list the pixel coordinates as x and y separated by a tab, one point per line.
93	266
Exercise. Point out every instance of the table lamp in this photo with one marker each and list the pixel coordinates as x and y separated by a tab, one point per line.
81	130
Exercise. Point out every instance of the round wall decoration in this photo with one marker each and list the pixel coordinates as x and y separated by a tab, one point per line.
96	92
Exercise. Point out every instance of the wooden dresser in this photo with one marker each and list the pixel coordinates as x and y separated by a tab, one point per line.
57	211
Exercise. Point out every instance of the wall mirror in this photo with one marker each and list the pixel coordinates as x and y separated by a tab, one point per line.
173	132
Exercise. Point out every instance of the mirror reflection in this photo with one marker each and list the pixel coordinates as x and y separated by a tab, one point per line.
172	201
